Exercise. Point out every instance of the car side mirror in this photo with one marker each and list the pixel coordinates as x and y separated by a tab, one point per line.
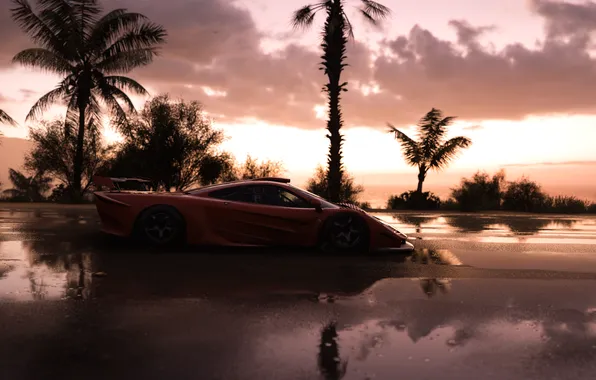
317	205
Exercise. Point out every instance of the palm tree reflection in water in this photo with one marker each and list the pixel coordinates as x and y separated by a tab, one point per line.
330	365
430	286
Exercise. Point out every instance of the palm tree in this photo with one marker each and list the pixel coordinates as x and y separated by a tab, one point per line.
431	151
91	53
336	31
26	188
6	119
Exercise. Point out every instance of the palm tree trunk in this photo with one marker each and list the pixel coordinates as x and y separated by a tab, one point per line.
421	177
334	47
78	162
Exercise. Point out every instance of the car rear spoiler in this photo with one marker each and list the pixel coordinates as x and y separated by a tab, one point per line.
117	183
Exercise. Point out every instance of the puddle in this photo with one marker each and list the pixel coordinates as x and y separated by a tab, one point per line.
496	229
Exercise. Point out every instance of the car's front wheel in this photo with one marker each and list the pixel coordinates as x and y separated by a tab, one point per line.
345	233
161	226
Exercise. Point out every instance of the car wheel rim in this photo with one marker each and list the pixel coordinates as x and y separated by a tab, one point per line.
345	233
160	227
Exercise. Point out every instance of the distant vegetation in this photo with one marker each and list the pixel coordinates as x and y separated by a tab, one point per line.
485	193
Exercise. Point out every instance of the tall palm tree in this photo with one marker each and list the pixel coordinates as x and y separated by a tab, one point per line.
90	53
336	31
6	119
431	151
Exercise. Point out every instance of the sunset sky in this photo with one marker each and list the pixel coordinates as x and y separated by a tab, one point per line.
519	74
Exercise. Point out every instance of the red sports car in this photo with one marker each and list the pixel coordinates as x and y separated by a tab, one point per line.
263	212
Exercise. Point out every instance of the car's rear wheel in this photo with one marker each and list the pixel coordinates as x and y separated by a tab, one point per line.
161	226
345	233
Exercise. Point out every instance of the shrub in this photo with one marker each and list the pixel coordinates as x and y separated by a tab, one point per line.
364	205
567	205
592	208
349	191
525	195
412	200
480	193
450	204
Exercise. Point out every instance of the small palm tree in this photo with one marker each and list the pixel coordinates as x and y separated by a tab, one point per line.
6	119
431	151
28	188
91	53
336	31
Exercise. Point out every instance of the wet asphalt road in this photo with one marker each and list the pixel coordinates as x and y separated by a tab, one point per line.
484	296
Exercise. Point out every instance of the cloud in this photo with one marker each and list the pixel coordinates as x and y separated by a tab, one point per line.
476	127
214	45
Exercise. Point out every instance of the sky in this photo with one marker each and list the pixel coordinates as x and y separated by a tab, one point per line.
518	74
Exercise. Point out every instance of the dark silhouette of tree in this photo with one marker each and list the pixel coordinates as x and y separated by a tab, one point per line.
218	168
27	188
525	195
348	190
6	119
480	192
252	168
431	151
55	148
168	142
330	366
91	53
336	31
224	168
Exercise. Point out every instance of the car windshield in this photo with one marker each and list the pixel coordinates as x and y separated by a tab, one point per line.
324	203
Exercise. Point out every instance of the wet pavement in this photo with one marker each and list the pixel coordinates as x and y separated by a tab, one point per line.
484	296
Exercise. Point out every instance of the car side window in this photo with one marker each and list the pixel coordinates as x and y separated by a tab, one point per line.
243	194
277	196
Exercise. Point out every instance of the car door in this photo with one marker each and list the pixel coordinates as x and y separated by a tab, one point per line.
222	219
271	215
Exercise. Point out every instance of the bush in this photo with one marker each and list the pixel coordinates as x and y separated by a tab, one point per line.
480	193
567	205
450	204
525	195
364	205
412	200
592	208
349	191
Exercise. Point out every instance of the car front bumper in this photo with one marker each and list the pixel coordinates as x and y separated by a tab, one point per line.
404	248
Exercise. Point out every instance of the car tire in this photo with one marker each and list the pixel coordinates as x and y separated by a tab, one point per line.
345	233
161	226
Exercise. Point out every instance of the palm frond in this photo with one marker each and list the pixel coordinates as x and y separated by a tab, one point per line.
110	96
6	119
111	26
410	148
448	151
126	83
433	127
145	35
304	17
32	25
57	95
374	11
87	12
44	59
125	61
349	28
